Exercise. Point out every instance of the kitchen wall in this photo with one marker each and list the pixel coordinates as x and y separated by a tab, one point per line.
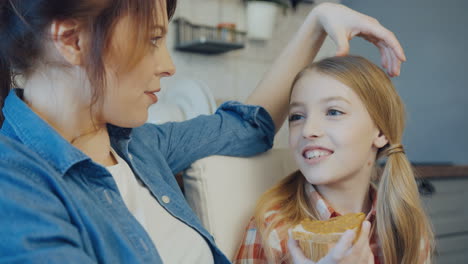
234	75
434	80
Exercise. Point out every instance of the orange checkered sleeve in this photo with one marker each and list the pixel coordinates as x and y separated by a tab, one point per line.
251	250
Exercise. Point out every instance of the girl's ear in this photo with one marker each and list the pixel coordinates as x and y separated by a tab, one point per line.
380	141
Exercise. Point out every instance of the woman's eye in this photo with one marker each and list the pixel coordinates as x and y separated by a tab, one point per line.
295	117
155	41
334	112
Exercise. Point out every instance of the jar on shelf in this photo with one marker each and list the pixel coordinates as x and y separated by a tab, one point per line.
227	32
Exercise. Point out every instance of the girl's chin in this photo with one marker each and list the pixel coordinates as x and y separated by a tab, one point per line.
318	177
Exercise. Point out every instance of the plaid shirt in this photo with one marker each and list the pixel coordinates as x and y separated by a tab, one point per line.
251	250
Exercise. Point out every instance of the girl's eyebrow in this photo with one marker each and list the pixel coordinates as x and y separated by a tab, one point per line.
335	98
324	100
295	104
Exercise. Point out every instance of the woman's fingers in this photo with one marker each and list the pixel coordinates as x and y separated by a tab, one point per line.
380	32
389	59
342	24
391	63
342	43
397	66
340	37
383	54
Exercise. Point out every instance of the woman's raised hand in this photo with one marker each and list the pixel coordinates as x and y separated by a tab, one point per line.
344	252
342	24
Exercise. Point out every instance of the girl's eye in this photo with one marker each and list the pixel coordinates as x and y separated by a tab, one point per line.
155	41
295	117
334	112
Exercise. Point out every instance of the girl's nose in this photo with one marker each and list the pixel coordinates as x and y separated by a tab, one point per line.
312	129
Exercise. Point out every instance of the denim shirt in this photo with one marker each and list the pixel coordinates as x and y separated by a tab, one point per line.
58	206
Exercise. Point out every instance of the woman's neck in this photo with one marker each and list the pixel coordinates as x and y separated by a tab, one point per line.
65	107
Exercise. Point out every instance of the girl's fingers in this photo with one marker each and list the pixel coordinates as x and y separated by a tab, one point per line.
296	252
367	256
371	258
343	246
363	240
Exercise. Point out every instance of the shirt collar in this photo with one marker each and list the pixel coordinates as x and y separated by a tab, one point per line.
25	125
325	210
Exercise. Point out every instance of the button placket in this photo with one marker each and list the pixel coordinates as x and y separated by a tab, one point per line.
166	199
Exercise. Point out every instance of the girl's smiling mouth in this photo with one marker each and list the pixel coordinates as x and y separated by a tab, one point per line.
316	154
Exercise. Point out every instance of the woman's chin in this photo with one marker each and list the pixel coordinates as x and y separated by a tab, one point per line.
130	122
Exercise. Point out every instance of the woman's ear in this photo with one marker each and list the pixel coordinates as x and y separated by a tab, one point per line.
380	141
68	38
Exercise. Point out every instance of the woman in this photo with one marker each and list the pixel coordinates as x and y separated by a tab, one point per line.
74	143
344	115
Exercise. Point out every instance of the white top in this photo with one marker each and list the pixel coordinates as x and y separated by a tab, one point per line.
176	242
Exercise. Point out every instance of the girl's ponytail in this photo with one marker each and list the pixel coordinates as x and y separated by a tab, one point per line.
402	224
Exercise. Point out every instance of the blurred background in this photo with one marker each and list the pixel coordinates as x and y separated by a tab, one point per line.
433	82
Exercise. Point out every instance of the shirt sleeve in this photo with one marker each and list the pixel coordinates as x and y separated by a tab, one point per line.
34	224
252	249
234	130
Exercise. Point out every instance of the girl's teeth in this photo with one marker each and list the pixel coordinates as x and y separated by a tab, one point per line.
315	154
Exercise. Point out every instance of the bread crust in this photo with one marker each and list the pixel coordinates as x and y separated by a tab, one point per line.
316	236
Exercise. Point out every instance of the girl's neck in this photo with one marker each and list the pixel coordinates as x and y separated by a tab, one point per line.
63	105
349	196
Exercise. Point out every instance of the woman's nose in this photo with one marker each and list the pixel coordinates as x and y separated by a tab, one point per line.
167	65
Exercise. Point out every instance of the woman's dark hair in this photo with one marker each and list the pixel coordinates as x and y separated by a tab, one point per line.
24	22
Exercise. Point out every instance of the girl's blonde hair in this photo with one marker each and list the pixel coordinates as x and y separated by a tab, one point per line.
402	224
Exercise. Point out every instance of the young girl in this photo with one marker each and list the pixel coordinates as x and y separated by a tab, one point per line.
344	115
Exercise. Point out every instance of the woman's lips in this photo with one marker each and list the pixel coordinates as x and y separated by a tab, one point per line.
153	96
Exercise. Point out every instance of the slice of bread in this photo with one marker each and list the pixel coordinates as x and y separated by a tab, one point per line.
315	236
329	231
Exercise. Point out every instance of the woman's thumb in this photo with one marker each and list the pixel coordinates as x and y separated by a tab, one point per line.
341	42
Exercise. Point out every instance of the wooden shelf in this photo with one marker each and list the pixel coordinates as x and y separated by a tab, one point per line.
428	171
437	171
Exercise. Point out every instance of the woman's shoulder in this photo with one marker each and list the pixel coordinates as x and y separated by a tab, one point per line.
18	160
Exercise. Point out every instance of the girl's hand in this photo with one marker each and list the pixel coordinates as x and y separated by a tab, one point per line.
342	24
343	252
